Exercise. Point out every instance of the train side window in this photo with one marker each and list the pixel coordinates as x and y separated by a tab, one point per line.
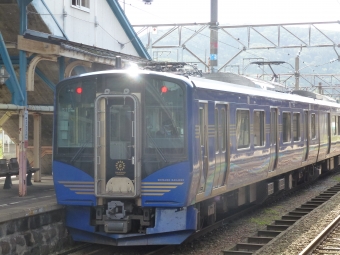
242	129
338	125
312	124
259	136
286	127
334	128
296	127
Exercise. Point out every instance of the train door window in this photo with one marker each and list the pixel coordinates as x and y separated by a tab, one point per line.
313	127
296	126
224	129
286	127
120	136
217	147
334	125
201	126
242	129
259	136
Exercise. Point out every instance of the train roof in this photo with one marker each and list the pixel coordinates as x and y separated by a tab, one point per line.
230	87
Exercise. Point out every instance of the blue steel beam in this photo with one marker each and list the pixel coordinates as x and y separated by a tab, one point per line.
23	15
12	82
15	59
124	22
50	84
22	54
22	75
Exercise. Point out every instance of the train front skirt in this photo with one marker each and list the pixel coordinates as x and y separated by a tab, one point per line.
172	227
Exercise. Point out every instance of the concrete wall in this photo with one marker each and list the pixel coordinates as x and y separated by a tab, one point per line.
41	234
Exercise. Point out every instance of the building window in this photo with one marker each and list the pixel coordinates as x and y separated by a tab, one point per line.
296	127
259	135
242	129
286	127
81	4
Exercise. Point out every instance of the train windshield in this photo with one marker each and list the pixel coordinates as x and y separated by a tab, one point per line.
164	124
74	124
161	126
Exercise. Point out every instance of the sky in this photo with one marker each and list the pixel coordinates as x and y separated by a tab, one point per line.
235	12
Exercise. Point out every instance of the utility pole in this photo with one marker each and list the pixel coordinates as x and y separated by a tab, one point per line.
320	88
297	73
213	36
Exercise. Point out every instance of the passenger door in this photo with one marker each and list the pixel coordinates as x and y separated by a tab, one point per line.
117	174
274	140
306	136
221	148
328	130
204	149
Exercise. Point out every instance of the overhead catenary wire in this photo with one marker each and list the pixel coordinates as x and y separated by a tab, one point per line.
123	44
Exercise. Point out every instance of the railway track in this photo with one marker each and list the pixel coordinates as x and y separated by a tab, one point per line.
254	243
327	242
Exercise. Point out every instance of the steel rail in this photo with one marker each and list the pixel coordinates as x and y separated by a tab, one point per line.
321	237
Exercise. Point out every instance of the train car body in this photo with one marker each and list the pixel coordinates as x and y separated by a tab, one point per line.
146	158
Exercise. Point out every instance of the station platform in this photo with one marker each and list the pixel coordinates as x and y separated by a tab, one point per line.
40	198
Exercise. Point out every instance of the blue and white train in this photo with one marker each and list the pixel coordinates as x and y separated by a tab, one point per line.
147	158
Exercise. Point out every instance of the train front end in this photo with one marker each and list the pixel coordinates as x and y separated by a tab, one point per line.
120	158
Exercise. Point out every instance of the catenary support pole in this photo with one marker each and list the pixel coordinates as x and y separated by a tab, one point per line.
23	142
23	114
297	72
213	36
37	146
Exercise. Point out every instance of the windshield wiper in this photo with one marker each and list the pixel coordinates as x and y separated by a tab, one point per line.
79	151
157	149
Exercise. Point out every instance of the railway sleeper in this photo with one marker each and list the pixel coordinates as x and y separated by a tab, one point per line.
248	246
277	227
305	210
330	192
237	252
325	195
337	189
311	207
322	199
259	239
291	217
313	204
297	213
268	233
284	222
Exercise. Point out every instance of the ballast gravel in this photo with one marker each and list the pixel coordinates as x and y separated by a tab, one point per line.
291	242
